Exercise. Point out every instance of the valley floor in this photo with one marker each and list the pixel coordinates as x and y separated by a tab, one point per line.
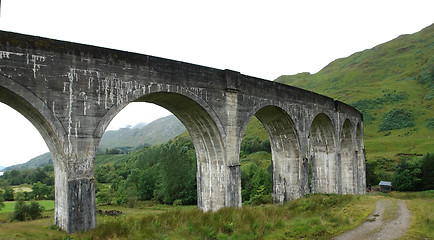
323	216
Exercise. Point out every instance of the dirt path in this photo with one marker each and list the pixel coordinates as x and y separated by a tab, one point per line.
390	220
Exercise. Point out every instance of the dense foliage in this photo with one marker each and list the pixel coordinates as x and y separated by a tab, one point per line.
414	174
40	179
30	176
397	119
167	173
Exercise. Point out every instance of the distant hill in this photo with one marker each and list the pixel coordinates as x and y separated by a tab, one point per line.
33	163
156	132
392	84
1	168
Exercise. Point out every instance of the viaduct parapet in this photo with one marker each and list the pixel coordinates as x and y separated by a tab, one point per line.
70	92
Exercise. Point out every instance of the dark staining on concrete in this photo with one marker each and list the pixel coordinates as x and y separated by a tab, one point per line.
70	92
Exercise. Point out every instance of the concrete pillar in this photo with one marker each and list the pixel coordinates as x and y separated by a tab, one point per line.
347	156
232	140
360	161
75	208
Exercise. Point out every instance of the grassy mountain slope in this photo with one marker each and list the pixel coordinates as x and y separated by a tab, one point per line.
392	84
156	132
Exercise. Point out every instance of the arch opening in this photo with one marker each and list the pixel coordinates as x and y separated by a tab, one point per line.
42	118
322	151
286	162
18	134
255	160
211	169
348	160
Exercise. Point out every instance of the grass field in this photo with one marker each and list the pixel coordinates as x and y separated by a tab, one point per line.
311	217
9	206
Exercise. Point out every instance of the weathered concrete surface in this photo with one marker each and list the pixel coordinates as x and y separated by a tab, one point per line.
71	92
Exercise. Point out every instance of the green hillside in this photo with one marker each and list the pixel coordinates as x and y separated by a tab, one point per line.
156	132
392	84
39	161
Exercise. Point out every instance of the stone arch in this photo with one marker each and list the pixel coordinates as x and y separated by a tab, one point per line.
285	149
208	143
360	161
34	110
322	149
347	159
43	119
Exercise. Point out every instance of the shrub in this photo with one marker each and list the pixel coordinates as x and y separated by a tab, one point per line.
397	119
35	210
429	123
20	211
23	212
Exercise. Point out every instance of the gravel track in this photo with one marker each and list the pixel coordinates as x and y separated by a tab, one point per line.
376	227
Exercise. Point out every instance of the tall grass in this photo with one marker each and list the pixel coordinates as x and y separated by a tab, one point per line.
312	217
319	216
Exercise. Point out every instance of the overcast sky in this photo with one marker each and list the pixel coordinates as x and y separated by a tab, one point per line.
264	39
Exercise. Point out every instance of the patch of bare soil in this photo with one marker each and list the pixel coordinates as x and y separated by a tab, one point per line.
390	220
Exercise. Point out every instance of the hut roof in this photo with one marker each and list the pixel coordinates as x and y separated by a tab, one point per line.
384	183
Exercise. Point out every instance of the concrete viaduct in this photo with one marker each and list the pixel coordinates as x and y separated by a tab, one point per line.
70	92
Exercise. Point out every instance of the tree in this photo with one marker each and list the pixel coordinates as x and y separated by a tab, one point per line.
427	175
371	176
23	212
261	191
2	205
8	194
42	191
104	194
247	173
177	172
37	175
147	184
35	210
131	187
15	178
406	176
20	210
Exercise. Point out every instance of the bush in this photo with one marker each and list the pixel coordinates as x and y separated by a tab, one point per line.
23	212
397	119
429	123
35	210
20	211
